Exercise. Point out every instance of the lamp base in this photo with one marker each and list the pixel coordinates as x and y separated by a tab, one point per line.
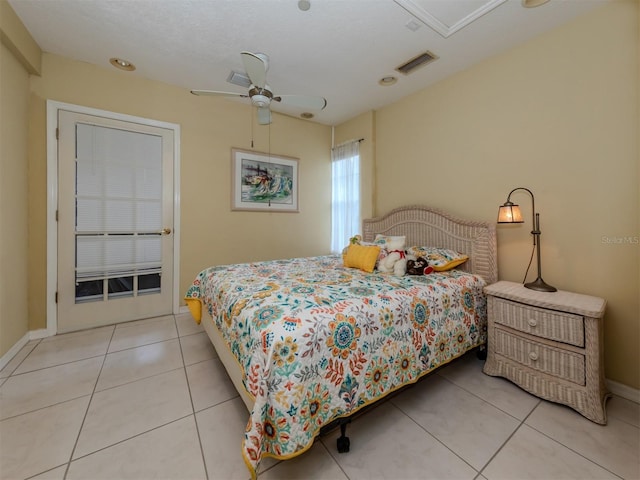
540	286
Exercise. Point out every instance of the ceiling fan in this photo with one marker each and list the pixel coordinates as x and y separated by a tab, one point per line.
256	66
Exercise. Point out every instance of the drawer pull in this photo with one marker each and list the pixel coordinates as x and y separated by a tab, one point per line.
533	356
532	322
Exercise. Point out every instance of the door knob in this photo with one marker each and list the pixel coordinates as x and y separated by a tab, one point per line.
166	231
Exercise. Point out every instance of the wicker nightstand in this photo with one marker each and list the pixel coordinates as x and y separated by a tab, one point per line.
550	344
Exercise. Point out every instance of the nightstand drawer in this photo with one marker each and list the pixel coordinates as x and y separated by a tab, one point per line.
553	361
558	326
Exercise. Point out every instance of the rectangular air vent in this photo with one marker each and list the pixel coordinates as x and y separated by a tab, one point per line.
239	79
416	62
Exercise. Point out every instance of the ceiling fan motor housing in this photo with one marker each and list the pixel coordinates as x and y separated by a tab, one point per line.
260	97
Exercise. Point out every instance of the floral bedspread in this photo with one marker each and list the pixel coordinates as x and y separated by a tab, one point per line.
318	340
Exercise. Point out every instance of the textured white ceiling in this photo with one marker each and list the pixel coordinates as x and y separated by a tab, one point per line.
338	49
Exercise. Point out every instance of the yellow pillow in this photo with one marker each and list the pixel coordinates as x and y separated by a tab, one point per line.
362	257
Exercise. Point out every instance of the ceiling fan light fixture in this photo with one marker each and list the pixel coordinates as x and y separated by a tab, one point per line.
260	100
122	64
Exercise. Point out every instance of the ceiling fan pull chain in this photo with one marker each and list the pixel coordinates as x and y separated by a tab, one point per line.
269	156
251	122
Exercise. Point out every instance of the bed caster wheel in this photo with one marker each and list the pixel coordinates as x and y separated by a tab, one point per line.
343	444
481	353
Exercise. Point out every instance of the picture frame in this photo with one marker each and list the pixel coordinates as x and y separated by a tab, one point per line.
263	182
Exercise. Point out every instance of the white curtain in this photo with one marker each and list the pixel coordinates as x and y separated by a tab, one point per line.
345	199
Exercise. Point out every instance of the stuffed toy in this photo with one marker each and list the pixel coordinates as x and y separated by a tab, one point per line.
395	261
355	240
418	266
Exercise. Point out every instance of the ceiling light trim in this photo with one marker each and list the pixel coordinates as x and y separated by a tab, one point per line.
122	64
439	26
388	81
533	3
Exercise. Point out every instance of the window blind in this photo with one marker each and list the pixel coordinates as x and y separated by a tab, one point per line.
118	202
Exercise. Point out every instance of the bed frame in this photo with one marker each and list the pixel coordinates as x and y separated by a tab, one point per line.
422	226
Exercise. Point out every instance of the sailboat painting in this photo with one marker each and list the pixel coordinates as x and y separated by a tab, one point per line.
264	182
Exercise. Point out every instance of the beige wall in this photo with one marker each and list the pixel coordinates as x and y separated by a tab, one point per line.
210	232
17	39
19	56
558	115
14	97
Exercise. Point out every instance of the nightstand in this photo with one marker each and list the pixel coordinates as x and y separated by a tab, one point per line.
549	344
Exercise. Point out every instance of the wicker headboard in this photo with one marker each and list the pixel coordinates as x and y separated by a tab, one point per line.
424	226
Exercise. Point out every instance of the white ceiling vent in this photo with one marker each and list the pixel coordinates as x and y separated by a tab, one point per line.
239	79
416	62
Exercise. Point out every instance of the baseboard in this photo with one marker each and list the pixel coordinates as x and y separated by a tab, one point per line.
183	309
624	391
30	335
13	351
40	333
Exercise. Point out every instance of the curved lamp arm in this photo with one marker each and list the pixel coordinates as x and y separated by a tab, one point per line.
509	212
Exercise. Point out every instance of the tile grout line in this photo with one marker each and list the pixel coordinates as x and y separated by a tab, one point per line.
522	422
193	409
538	403
461	387
435	438
86	412
56	365
500	410
45	407
571	449
138	379
12	373
131	438
478	472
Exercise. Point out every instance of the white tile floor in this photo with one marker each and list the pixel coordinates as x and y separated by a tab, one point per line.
150	399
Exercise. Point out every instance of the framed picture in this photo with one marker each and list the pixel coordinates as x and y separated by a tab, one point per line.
263	182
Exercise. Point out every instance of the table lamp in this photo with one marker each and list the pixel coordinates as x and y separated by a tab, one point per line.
509	212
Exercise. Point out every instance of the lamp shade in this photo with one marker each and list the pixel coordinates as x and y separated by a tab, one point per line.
510	213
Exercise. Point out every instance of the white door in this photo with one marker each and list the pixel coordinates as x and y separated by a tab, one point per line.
115	221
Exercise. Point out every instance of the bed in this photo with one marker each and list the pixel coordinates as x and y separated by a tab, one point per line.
308	342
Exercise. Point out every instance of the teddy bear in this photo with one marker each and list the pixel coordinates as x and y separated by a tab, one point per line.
395	261
418	266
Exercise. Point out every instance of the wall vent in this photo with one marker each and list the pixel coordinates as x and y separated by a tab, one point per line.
416	62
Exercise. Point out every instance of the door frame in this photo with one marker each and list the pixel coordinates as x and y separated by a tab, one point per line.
53	108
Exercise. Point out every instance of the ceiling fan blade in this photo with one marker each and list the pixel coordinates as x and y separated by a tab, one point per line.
219	94
302	101
264	116
256	68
